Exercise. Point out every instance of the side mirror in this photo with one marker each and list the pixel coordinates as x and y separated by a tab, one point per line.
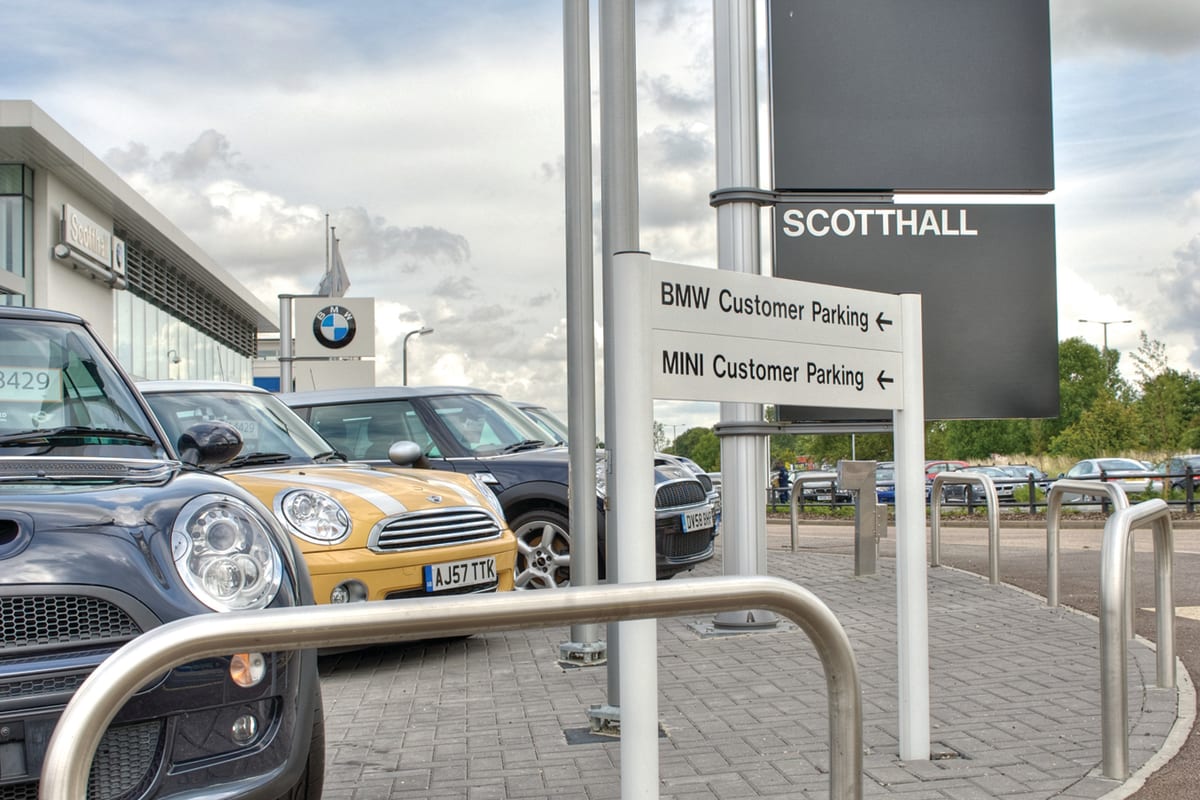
209	444
405	453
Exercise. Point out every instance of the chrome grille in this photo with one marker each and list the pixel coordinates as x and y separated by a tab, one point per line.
679	493
687	545
705	481
56	619
439	527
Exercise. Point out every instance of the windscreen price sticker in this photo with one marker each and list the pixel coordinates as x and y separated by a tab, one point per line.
26	385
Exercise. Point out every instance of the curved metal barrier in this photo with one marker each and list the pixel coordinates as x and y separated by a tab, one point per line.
1054	502
1114	640
78	732
797	494
993	517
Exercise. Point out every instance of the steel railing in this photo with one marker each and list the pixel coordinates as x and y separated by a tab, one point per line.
73	744
798	483
1055	498
993	516
1114	639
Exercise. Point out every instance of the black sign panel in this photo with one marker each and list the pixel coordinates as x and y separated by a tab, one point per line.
911	95
987	277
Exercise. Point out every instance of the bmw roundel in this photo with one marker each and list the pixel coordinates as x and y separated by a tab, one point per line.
334	326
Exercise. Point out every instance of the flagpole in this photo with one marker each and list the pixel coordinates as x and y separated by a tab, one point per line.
327	235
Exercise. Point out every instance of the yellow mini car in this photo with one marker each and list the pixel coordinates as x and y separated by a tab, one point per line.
366	534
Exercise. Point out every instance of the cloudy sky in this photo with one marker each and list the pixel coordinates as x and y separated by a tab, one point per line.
431	133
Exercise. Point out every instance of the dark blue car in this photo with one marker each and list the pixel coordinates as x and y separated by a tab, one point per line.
108	531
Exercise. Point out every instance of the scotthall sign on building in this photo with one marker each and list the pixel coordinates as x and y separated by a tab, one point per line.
875	98
987	280
866	221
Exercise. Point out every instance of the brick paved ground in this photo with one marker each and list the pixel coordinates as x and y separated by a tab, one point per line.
1015	708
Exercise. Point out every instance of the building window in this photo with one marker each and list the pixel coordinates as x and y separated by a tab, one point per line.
16	232
154	344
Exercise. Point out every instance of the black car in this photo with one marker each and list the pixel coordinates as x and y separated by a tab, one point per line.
107	532
479	432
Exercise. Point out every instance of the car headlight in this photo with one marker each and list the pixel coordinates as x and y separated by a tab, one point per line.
489	495
314	516
225	554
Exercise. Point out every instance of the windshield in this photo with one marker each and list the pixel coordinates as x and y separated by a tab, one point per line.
271	432
552	425
485	424
60	394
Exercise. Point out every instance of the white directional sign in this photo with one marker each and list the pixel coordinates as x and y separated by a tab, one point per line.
736	337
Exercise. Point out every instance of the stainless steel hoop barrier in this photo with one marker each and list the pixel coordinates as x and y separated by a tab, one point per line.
1054	502
799	481
1114	640
993	517
73	745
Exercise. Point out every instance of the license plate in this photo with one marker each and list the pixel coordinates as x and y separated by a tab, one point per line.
453	574
697	520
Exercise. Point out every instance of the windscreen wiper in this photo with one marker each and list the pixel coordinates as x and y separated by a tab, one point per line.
329	455
254	459
528	444
50	435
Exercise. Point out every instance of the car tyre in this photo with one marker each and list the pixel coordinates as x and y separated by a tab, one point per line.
543	550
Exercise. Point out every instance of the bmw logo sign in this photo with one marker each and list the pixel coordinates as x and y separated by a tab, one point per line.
334	326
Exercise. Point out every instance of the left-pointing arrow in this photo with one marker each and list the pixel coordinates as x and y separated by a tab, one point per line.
882	320
884	380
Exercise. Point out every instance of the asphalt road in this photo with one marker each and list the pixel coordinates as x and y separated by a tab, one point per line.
1022	563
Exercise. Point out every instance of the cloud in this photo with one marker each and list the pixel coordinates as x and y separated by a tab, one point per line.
1181	283
456	287
1100	27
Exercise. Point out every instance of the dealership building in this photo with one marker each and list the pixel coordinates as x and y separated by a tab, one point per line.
75	237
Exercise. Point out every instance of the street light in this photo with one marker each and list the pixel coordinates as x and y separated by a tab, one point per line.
1106	323
404	350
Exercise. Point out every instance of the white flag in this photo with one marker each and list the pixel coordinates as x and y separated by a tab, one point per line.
335	282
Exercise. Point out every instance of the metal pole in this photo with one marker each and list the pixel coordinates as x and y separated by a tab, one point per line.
633	469
912	606
585	646
744	456
618	233
404	351
1114	696
286	351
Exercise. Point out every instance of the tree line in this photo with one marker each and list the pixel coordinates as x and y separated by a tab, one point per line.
1101	413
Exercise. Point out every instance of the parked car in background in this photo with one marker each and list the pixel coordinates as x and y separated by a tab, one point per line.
107	532
1023	472
477	432
1002	481
885	484
933	468
367	534
1130	475
1175	470
545	419
558	432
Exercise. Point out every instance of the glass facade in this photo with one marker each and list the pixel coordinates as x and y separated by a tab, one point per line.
16	232
153	344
